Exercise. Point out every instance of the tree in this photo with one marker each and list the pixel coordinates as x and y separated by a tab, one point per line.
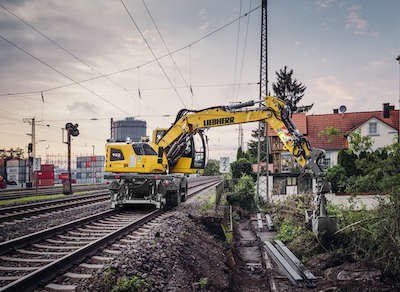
358	143
331	132
241	167
212	168
290	90
11	153
347	159
242	154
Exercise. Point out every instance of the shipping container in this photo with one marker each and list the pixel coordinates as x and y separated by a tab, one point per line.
13	170
12	163
12	177
2	162
63	176
43	174
47	167
44	182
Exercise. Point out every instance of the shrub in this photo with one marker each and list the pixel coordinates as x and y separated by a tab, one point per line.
243	194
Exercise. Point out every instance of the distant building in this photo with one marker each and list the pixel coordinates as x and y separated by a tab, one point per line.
128	129
382	126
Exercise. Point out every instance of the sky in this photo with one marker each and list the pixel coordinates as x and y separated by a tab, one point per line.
86	62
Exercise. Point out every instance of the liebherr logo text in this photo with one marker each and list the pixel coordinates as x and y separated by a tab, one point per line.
221	121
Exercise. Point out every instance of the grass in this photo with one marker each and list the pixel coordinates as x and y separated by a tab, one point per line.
38	198
209	204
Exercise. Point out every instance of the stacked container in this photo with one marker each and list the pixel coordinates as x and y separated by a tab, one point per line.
16	171
3	173
45	177
90	169
3	168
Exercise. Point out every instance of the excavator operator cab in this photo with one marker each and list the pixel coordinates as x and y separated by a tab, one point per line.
190	157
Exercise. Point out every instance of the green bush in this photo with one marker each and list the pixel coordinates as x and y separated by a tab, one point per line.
136	284
287	231
243	193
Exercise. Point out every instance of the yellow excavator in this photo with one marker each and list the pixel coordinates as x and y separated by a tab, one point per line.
156	172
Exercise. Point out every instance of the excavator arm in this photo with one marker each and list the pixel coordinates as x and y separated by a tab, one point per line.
272	110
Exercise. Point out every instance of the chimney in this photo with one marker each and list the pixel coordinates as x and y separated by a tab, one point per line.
335	110
386	110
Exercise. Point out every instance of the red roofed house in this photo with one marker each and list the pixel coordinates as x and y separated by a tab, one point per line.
381	126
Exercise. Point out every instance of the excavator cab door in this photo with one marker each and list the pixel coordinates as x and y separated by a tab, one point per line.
193	158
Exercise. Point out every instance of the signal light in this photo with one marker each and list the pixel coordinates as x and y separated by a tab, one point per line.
72	129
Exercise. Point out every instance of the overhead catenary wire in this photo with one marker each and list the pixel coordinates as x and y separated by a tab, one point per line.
152	52
237	52
166	47
135	67
71	54
44	63
244	51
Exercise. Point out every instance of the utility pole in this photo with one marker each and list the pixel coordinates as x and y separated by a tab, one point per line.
398	134
240	143
263	153
93	162
31	122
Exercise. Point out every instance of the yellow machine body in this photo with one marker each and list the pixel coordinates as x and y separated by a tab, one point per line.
136	157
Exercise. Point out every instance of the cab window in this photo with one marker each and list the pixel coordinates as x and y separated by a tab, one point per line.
116	154
143	149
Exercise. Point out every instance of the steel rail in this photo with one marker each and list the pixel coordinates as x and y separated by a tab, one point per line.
47	202
48	272
37	236
51	206
44	274
22	193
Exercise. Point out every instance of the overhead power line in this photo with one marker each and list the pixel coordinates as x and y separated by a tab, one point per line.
155	57
135	67
71	54
172	58
44	63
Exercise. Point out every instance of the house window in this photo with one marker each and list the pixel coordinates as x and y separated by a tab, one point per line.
373	128
327	161
291	181
287	161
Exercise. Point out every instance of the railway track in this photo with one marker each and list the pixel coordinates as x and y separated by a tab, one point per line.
9	215
8	194
32	261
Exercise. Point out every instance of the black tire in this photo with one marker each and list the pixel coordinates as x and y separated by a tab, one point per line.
173	198
184	193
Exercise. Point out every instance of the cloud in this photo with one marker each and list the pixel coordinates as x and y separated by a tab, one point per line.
324	3
204	27
354	8
331	91
377	64
374	34
354	21
83	106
